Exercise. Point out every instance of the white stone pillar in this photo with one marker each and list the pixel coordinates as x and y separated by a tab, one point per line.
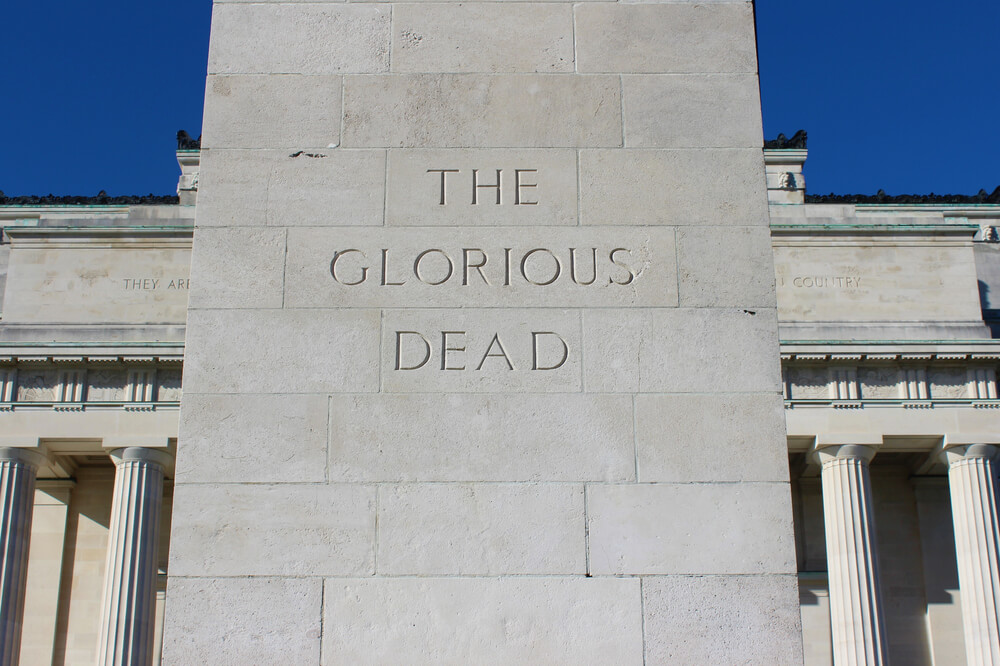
18	469
971	477
856	616
127	612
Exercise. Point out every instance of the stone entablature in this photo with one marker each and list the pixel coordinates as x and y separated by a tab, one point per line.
77	381
900	377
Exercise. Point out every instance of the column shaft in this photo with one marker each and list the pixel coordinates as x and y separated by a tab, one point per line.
971	477
18	469
855	606
127	617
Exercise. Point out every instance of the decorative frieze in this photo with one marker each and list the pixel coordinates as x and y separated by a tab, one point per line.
919	380
64	381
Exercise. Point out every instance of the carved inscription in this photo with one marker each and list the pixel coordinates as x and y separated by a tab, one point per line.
822	282
154	284
539	266
521	187
549	351
472	349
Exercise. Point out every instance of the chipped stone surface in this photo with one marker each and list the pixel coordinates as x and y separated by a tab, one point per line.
482	37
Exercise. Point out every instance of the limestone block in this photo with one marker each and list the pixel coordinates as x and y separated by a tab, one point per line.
681	351
281	351
482	110
663	38
210	621
499	437
690	438
719	268
281	439
673	187
300	38
239	270
460	266
482	37
722	620
690	528
271	111
490	621
473	350
318	187
481	529
272	530
537	187
692	111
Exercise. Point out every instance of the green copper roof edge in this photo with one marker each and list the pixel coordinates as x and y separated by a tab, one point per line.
886	227
981	341
90	344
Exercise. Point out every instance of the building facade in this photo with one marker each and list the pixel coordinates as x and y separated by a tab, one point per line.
887	318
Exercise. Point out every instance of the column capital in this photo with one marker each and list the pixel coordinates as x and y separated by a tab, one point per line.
862	452
961	452
158	457
33	457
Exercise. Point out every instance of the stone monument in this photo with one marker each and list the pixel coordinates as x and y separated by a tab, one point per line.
482	357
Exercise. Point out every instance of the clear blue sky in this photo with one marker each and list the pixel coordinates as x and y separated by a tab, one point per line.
895	94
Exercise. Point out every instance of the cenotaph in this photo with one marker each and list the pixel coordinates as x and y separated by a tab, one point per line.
482	356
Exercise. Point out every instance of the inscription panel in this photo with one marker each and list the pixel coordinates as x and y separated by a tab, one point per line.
546	267
481	350
53	283
897	282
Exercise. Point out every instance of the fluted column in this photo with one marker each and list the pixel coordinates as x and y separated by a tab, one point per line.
971	477
127	612
855	605
18	469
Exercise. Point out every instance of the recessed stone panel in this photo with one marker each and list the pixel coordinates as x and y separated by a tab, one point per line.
462	267
481	529
458	187
690	528
897	280
482	110
471	37
486	620
300	38
302	187
660	38
121	279
286	111
273	530
692	111
492	437
207	617
281	351
672	187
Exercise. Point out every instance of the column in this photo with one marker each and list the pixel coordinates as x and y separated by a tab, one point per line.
855	606
127	612
971	477
18	469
